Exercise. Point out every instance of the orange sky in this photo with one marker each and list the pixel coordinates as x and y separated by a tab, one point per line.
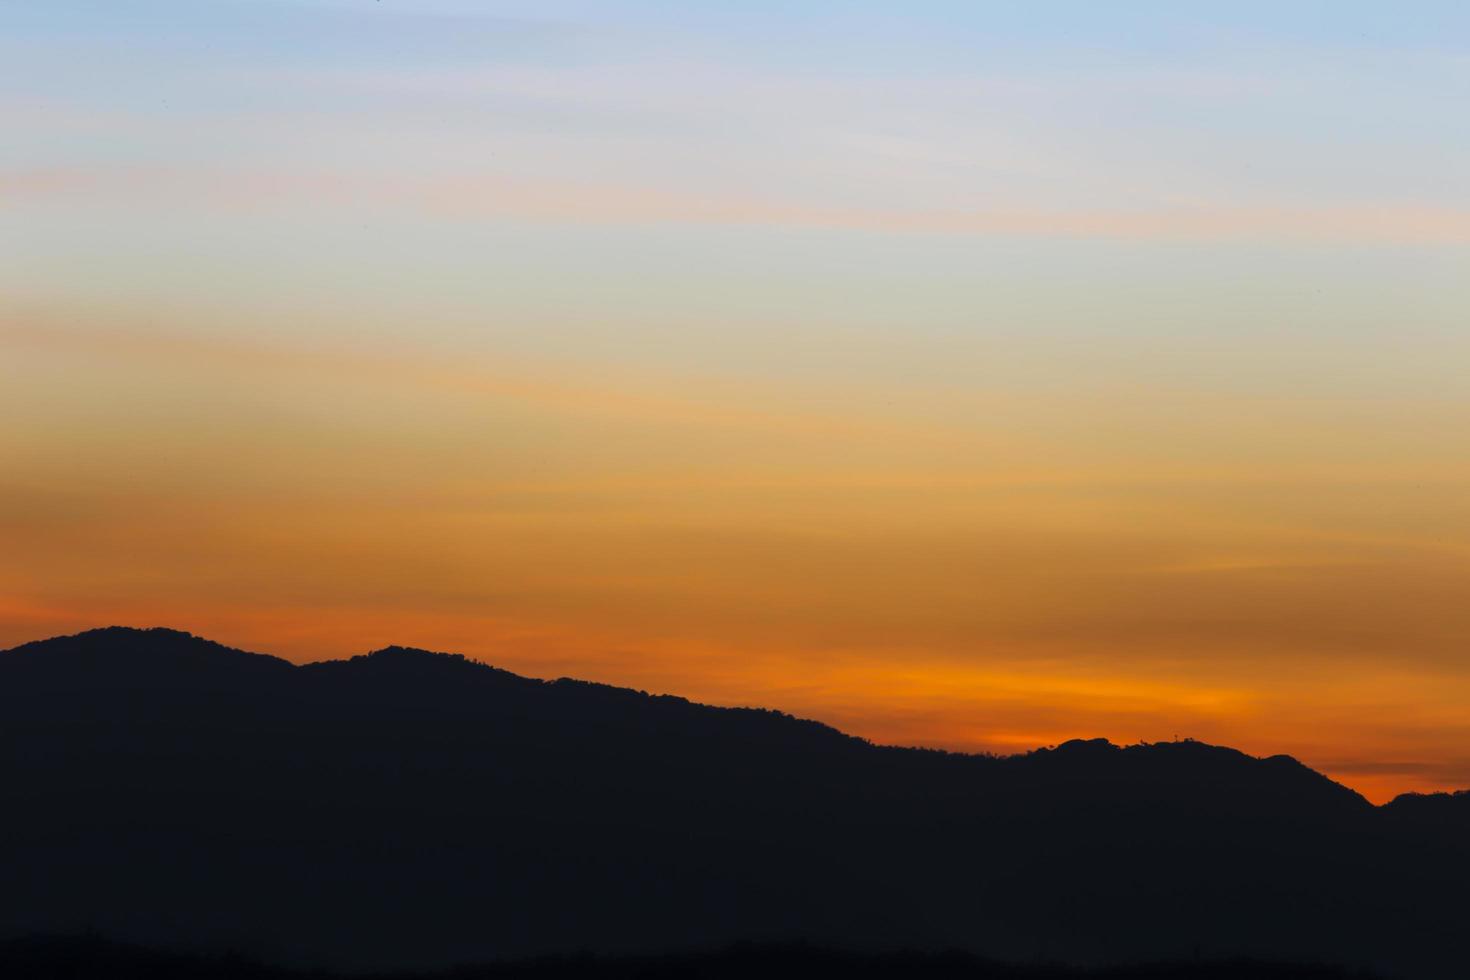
973	570
970	375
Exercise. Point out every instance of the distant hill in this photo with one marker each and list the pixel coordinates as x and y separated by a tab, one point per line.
413	809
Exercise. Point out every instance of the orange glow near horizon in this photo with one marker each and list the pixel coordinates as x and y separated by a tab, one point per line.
913	582
976	376
937	705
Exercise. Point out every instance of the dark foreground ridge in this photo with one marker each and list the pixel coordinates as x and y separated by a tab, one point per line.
86	958
410	810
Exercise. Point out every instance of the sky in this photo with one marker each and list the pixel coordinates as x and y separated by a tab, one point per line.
974	375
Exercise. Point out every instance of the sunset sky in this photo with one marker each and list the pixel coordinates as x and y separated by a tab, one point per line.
976	375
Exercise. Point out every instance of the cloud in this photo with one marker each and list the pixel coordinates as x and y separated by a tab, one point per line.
492	197
633	396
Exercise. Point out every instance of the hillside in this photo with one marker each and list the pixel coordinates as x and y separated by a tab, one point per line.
412	809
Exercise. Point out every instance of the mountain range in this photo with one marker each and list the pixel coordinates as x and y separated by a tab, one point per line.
407	809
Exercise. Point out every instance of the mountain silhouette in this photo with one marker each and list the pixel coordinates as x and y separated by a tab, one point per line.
416	810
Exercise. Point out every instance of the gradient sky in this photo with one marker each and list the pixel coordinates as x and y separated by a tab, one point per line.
966	374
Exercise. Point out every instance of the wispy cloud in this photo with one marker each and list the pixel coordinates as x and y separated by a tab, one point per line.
484	197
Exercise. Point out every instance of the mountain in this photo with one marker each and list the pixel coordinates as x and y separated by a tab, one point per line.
413	809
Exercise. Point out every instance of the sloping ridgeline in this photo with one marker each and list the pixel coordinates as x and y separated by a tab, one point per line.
416	810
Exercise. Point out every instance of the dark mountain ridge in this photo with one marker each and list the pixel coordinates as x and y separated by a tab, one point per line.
407	808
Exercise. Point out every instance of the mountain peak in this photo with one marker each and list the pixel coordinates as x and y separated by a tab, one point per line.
395	656
114	636
430	671
136	657
409	653
407	806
